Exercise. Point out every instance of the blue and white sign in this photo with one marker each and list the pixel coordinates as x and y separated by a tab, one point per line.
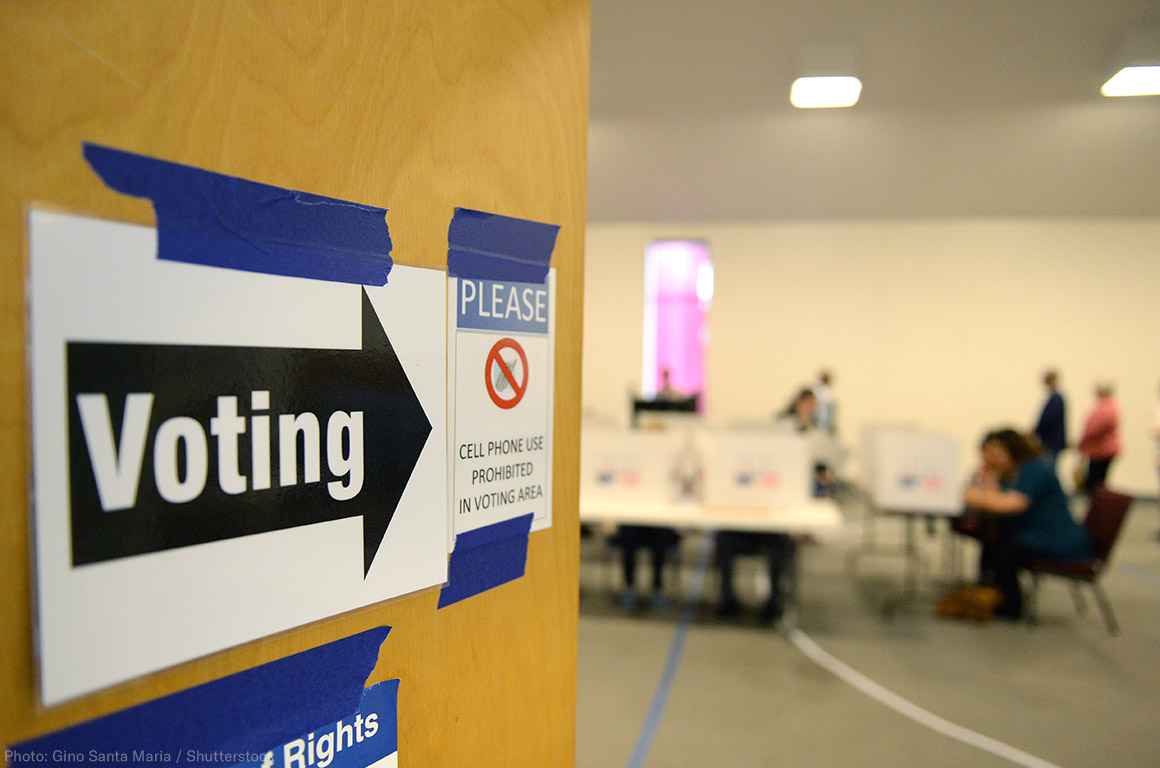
308	710
367	738
501	363
216	442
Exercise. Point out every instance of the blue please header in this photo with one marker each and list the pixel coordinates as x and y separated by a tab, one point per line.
495	305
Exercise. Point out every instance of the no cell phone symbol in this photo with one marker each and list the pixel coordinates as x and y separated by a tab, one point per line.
506	373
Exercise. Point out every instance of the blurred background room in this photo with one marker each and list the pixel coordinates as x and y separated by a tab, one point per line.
871	384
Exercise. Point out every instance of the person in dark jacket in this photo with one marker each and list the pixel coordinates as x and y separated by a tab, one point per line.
1051	429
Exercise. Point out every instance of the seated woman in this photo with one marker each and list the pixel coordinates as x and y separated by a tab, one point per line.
1021	491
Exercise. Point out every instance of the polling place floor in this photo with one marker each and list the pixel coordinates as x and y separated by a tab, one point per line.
1064	692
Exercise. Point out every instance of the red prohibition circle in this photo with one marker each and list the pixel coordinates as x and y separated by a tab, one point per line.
494	357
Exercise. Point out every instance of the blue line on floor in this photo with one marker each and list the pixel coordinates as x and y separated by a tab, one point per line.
660	697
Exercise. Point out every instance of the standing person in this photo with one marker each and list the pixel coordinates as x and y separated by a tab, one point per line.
1100	442
1051	429
827	406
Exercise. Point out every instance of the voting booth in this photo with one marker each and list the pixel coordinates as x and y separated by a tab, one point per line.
625	467
292	392
911	470
754	468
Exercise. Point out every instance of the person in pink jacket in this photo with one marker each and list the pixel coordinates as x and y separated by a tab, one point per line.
1100	441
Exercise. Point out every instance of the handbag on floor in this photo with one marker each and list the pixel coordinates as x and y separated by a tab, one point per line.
974	602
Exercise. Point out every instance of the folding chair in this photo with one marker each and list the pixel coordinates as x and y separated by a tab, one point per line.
1105	519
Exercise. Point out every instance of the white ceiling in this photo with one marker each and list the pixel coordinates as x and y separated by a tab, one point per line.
969	108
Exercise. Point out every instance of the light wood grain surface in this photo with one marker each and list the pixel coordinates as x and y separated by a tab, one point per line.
415	105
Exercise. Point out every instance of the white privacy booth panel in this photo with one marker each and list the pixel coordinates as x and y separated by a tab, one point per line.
754	468
911	470
619	466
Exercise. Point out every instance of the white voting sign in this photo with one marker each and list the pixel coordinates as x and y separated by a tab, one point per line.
219	455
502	364
754	468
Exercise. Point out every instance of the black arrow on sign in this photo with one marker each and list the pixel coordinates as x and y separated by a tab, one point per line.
186	381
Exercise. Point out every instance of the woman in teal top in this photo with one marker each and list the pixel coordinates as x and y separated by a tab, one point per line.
1017	483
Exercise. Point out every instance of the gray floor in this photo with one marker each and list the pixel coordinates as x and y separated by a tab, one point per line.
743	695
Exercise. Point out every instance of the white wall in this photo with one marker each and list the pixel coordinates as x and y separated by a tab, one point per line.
946	323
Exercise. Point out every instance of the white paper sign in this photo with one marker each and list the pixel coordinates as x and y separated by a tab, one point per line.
219	455
501	365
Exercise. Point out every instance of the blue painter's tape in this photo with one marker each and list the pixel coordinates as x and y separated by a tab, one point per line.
493	247
224	221
486	558
228	720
